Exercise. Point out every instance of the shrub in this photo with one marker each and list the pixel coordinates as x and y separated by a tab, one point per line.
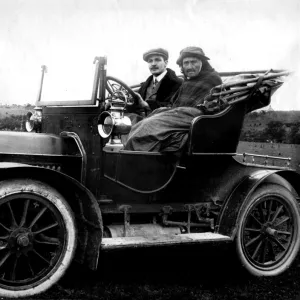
275	131
12	122
294	136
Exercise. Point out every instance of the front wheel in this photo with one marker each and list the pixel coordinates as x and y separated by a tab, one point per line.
37	237
268	234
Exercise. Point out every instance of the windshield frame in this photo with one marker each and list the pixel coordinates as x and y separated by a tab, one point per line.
98	92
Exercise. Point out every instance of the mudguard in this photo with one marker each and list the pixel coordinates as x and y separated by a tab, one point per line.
229	215
26	142
81	200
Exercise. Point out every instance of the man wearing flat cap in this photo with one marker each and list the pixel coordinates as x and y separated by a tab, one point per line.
159	88
167	130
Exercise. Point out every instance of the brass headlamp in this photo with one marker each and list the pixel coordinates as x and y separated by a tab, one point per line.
113	124
34	120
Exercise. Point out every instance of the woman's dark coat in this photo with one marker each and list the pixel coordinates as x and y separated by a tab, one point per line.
166	130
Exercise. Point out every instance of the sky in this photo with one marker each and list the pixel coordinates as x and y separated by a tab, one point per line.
66	35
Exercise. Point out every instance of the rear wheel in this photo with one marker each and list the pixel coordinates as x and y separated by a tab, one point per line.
37	237
268	235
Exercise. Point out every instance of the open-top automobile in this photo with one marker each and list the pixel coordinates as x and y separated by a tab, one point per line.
69	190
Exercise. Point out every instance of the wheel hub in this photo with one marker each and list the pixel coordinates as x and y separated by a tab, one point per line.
23	239
20	239
271	232
268	231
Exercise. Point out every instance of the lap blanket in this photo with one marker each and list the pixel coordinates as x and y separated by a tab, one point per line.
165	130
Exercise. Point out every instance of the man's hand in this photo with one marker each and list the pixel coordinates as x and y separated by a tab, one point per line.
142	103
107	105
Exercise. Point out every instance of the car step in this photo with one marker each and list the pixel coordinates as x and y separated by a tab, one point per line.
141	241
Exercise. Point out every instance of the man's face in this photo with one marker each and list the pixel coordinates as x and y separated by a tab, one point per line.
157	64
191	66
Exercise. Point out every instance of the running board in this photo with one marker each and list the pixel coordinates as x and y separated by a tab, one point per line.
162	240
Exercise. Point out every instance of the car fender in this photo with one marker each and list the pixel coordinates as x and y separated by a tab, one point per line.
229	215
14	142
81	200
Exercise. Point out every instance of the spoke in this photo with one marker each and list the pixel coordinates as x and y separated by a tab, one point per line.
29	265
7	229
264	251
285	240
252	229
281	221
3	260
271	250
23	220
253	240
278	243
13	271
14	223
265	204
278	210
44	239
256	250
3	245
37	217
261	213
255	219
41	257
270	210
284	232
45	228
50	242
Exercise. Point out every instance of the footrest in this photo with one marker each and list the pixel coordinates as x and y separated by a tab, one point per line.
139	241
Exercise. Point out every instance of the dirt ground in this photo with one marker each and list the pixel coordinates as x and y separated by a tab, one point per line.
204	273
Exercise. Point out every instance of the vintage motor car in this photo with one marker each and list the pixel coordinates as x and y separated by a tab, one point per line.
68	189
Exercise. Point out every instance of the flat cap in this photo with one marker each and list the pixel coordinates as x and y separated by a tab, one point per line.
191	51
158	51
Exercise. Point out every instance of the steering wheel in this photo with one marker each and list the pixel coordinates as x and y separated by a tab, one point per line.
114	85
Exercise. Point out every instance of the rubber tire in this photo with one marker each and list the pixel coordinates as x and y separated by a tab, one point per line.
41	189
267	189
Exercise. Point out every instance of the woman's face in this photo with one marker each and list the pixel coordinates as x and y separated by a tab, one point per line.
191	66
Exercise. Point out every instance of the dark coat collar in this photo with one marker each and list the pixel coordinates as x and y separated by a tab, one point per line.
169	85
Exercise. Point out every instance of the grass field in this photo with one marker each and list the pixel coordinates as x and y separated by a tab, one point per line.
185	273
273	149
13	117
8	111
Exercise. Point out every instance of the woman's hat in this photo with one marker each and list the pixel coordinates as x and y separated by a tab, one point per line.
191	51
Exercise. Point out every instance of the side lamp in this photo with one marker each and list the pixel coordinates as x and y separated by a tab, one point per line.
113	124
34	120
